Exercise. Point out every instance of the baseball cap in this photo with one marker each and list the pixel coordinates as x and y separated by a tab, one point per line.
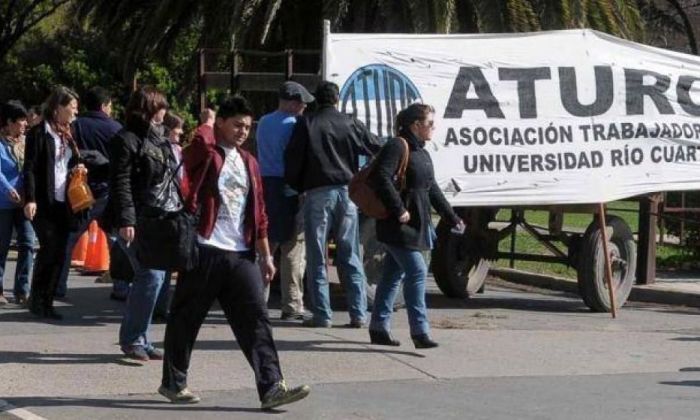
296	92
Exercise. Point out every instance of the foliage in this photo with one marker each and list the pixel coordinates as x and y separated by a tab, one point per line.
152	28
18	17
76	56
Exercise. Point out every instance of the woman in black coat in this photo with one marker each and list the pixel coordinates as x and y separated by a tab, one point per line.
408	231
50	156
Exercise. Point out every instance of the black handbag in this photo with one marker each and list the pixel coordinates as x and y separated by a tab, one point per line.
166	240
122	265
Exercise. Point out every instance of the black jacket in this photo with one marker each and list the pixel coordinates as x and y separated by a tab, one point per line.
38	171
93	131
138	169
324	149
420	192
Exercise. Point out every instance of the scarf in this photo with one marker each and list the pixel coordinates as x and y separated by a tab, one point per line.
16	148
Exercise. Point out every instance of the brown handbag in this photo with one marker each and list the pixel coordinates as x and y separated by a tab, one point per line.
364	196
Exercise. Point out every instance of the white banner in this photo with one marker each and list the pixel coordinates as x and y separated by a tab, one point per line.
540	118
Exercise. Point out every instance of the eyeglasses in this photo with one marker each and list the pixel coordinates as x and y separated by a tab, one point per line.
426	123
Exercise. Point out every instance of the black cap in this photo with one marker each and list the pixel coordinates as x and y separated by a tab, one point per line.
293	91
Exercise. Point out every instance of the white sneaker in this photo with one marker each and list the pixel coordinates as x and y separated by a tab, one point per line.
183	397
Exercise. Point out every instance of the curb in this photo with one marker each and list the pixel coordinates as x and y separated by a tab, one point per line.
638	293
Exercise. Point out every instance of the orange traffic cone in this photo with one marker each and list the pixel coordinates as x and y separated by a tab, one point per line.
80	251
97	260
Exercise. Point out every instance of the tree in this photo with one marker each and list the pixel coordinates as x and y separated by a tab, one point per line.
148	28
17	17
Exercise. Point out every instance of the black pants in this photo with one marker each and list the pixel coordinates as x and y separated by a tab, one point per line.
51	227
234	279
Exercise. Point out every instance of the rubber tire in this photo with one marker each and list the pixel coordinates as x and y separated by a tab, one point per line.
458	273
372	252
591	266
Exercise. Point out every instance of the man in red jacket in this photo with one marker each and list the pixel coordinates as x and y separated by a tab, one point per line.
226	189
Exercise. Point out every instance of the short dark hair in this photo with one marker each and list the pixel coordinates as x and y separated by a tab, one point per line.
143	104
327	93
10	112
34	109
60	96
412	113
172	121
232	106
96	97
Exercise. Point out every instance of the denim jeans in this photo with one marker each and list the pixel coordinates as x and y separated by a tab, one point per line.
328	210
13	219
94	213
409	265
140	305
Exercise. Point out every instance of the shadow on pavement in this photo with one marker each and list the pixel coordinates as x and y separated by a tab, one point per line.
526	303
136	404
681	383
36	358
325	346
686	339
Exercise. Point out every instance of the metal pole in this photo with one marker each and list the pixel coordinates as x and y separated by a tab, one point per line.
326	45
202	79
608	268
514	223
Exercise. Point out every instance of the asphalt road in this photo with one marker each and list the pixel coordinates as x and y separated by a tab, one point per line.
511	353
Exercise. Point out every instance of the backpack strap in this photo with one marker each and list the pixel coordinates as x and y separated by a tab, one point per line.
403	165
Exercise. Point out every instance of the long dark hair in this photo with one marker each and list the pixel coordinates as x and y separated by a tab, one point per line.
143	104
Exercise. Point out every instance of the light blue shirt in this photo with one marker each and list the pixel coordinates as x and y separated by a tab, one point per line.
272	136
10	176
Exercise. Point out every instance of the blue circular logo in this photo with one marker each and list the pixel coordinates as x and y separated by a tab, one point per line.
374	94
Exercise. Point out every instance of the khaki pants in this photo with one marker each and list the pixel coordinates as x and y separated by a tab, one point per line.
292	266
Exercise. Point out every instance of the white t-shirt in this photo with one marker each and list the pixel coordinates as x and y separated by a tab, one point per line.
60	169
228	233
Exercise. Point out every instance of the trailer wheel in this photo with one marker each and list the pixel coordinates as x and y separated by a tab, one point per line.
458	271
591	266
372	259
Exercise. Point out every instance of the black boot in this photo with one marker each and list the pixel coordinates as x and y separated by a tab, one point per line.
383	338
35	305
423	341
50	313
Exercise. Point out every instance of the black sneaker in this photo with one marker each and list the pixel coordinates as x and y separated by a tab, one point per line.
280	394
311	323
356	323
117	297
154	354
136	353
296	316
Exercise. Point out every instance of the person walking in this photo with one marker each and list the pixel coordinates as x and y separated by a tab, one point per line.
320	160
286	231
408	231
141	168
13	124
50	156
92	132
225	187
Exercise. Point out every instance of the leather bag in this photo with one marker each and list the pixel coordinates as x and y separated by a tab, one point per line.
363	195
